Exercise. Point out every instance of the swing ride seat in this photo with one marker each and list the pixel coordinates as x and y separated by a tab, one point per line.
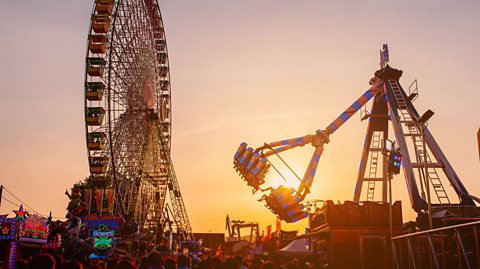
250	166
283	202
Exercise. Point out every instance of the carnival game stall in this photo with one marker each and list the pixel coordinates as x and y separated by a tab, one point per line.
32	235
24	236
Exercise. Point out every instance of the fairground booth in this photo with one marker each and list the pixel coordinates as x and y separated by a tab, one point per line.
24	236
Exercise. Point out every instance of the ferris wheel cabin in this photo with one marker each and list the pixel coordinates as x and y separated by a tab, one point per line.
100	23
95	66
97	43
95	116
94	91
104	7
96	141
98	165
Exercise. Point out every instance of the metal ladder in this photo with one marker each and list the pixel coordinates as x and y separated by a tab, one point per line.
373	165
420	152
433	177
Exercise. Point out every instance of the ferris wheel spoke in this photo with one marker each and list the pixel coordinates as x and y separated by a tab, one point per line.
135	97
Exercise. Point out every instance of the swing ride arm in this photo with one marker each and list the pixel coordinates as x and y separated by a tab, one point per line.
253	165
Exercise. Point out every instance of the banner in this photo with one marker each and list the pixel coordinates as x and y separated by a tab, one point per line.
99	199
110	196
88	199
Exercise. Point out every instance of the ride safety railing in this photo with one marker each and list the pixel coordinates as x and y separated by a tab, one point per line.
454	246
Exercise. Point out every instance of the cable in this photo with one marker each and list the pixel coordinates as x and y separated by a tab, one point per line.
22	202
10	201
288	166
241	217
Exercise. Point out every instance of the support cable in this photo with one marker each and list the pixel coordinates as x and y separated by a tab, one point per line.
288	166
10	202
26	205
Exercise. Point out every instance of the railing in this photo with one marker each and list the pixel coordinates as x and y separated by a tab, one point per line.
448	247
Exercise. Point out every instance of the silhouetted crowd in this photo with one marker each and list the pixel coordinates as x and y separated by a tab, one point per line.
156	260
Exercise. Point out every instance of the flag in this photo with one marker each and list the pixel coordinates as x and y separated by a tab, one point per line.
269	232
384	57
278	226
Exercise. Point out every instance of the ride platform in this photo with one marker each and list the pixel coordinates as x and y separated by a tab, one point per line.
355	235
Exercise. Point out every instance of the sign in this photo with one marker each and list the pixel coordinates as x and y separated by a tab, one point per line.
94	222
7	228
103	240
34	229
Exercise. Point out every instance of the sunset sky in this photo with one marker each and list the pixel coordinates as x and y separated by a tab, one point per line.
245	70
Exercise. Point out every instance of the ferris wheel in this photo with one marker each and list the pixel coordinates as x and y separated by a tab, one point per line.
128	114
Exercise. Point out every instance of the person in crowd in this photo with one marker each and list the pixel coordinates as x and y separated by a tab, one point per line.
44	261
183	262
70	265
170	264
268	265
111	263
239	259
126	264
155	260
231	264
21	264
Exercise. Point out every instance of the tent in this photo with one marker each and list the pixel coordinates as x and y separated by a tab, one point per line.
297	247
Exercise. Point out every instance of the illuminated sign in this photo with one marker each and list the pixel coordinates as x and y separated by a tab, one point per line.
7	228
34	229
103	240
94	222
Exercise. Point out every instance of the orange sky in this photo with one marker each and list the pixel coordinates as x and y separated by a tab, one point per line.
253	71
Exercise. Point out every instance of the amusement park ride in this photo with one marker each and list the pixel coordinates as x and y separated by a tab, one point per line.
128	125
425	166
234	227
